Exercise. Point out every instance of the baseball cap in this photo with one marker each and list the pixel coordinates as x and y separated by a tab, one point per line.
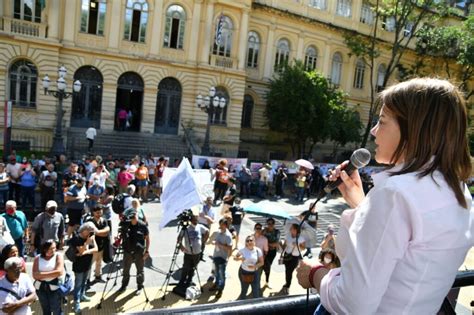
51	204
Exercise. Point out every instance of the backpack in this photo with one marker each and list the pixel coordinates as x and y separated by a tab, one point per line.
118	204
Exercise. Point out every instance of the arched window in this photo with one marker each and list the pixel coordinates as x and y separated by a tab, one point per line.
136	17
28	10
310	58
93	16
168	106
359	74
336	70
344	8
223	40
253	50
23	77
174	29
381	71
87	104
282	55
220	115
247	111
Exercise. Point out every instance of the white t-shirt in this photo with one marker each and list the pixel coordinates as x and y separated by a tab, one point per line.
22	287
151	165
14	172
291	247
250	257
100	177
91	133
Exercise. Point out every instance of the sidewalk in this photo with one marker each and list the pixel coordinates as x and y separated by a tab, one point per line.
162	247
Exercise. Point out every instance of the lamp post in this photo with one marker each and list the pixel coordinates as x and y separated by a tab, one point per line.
60	94
209	104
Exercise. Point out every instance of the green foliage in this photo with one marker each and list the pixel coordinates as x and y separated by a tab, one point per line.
304	106
345	125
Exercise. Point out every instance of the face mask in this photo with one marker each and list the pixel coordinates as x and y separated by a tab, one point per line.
51	211
10	211
327	260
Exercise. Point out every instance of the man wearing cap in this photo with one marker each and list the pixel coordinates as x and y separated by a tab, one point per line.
14	172
48	225
135	243
17	224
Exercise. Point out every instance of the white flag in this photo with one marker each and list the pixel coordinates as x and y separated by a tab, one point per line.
180	193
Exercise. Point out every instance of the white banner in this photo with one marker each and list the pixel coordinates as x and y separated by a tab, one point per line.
180	192
234	163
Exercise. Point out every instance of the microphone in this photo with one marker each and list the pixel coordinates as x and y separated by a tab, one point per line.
359	159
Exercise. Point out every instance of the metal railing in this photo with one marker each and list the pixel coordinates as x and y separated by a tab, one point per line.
189	141
38	143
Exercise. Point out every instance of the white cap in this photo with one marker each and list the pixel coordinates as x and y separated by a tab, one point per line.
51	203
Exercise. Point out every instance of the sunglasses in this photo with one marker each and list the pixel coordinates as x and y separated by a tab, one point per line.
258	228
248	241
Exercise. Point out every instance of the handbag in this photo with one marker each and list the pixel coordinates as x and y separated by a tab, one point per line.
71	253
248	277
66	286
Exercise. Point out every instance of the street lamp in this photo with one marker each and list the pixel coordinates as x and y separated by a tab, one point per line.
60	94
209	104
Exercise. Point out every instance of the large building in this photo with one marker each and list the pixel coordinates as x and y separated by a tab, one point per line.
152	58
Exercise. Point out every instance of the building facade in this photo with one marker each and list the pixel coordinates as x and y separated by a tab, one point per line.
153	57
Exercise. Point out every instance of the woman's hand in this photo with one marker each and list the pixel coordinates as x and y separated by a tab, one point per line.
302	274
351	186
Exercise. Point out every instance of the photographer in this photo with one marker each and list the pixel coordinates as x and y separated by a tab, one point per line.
135	243
194	236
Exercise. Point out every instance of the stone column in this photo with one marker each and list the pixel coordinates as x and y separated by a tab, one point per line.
114	33
300	47
157	36
53	19
327	61
70	22
268	69
208	33
195	27
244	27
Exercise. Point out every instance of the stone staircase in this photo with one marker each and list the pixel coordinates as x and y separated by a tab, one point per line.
126	144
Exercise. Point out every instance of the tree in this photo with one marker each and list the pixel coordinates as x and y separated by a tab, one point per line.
453	47
300	104
400	17
344	126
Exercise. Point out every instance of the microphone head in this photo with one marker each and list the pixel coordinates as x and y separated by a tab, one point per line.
360	158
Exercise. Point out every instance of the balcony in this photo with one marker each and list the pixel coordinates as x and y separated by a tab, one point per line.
24	28
223	62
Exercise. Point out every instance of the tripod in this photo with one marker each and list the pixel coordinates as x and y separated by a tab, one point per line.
184	230
115	260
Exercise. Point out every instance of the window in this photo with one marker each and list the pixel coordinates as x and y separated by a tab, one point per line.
136	17
28	10
220	114
310	58
359	74
318	4
87	104
389	24
336	70
93	16
253	50
247	111
408	29
223	39
344	8
381	71
23	77
282	55
366	14
174	29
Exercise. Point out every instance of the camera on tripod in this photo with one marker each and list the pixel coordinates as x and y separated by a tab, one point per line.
184	218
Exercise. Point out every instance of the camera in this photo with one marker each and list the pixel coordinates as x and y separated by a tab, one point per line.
185	217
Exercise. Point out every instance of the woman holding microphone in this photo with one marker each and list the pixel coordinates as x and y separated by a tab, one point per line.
402	244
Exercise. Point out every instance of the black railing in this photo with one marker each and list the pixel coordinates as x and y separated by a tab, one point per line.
295	304
36	143
189	140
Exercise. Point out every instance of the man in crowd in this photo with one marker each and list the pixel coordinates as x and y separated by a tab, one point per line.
75	200
245	177
47	183
135	243
206	217
94	193
17	224
48	225
222	241
14	171
194	236
263	173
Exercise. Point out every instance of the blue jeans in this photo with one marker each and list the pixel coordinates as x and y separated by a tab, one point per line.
220	264
28	193
50	300
245	286
299	193
80	279
3	197
261	189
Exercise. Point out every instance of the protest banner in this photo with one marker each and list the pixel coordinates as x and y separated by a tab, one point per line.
198	161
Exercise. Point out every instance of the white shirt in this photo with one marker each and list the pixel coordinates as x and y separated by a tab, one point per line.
91	133
400	249
291	247
250	257
22	287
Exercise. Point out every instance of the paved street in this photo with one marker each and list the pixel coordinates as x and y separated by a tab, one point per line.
162	246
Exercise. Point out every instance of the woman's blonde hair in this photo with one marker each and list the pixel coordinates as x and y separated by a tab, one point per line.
432	116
